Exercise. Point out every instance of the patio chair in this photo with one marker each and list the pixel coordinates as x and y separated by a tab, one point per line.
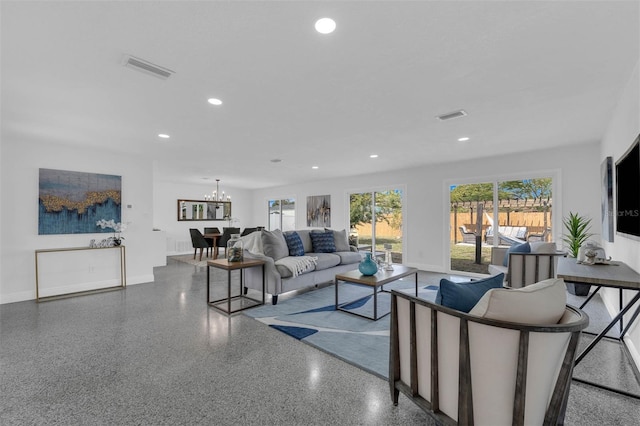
467	236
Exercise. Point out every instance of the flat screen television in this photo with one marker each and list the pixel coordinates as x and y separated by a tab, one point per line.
628	192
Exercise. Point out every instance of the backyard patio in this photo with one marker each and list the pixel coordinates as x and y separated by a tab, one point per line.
463	258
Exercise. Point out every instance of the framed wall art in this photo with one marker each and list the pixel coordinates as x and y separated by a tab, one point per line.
319	210
73	202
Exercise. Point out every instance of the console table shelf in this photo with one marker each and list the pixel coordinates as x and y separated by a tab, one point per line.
122	267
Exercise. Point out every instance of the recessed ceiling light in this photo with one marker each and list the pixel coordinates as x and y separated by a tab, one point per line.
163	136
373	156
325	25
464	139
214	101
314	167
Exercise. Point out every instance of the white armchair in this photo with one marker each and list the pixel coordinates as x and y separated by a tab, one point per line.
475	369
526	268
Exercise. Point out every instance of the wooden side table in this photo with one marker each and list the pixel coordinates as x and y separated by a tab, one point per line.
219	304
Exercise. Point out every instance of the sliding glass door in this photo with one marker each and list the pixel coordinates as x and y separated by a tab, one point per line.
376	221
499	213
469	222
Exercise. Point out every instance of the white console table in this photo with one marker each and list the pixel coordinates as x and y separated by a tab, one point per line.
82	272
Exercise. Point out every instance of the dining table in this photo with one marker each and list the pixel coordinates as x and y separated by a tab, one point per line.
214	236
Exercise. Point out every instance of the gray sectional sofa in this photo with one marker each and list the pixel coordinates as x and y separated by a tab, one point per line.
272	247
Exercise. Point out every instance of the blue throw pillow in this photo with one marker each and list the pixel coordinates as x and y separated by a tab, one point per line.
516	248
322	242
464	296
294	243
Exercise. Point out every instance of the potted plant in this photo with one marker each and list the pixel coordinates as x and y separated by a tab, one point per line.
577	232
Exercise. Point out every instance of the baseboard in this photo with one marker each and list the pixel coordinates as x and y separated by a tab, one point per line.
178	253
633	351
23	296
20	296
426	267
140	279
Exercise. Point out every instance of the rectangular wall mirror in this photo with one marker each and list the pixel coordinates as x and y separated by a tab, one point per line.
203	210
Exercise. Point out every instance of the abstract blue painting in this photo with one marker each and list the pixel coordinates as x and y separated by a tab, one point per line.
72	202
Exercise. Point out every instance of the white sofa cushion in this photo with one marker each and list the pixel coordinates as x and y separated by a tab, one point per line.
540	303
542	247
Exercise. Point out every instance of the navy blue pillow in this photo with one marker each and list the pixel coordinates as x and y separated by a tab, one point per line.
516	248
294	243
464	296
322	242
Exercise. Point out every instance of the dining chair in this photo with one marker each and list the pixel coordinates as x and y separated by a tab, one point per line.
247	231
199	242
211	230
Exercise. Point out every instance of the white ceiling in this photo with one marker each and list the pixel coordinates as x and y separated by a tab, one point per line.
530	74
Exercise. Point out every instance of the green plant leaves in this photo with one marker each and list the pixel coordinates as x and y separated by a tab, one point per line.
577	228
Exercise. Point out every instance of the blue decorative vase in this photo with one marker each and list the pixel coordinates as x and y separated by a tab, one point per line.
368	266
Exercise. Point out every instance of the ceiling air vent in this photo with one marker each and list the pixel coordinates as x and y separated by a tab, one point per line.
147	67
451	115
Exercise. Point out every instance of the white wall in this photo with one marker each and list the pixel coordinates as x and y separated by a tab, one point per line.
425	213
623	130
21	161
165	214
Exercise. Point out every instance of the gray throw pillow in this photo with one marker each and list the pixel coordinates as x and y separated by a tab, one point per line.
274	245
340	239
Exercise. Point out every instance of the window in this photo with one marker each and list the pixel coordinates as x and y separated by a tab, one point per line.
498	213
282	214
376	220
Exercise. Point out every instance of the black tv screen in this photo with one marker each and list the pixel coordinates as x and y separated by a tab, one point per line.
628	191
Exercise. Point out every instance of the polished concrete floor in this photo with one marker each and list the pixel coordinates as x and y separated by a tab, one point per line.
156	354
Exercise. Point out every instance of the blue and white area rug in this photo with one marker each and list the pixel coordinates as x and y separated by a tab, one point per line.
311	317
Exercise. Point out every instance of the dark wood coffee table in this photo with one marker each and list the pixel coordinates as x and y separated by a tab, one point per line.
376	281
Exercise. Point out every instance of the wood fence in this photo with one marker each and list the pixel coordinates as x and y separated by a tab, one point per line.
383	230
534	221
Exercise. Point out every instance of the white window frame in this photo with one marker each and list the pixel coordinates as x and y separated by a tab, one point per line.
556	207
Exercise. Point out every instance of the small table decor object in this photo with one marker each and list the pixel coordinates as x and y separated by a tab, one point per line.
368	266
388	258
234	248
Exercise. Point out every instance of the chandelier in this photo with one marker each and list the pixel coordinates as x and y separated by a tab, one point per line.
217	195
